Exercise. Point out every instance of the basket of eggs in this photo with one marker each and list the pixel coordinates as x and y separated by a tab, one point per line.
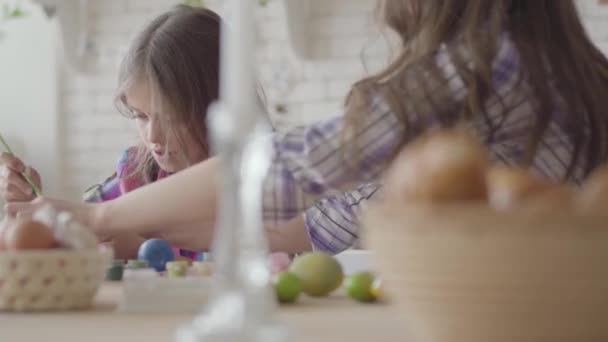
49	262
473	252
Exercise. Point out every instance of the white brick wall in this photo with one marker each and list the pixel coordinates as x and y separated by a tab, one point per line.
310	90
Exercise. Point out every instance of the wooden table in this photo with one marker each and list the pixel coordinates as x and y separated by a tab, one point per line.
330	319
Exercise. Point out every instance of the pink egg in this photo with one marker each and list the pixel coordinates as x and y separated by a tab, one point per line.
279	262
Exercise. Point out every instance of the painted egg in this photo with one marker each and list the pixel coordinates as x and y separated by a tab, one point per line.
29	234
157	253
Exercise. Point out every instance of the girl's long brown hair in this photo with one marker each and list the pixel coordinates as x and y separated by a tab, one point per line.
177	56
560	67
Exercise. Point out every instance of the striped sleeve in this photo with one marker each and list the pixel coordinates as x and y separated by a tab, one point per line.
333	223
309	164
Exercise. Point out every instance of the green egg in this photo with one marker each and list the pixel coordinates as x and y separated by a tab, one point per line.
288	287
320	273
360	286
177	269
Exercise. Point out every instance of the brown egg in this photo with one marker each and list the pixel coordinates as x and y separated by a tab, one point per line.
3	228
515	187
446	165
594	193
29	234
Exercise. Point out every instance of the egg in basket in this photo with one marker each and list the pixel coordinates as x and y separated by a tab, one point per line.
49	262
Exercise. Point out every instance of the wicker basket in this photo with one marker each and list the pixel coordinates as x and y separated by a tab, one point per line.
51	280
468	274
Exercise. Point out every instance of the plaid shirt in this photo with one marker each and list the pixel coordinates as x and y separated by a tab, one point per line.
308	164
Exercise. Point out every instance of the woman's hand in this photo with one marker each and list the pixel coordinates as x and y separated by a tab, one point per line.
13	187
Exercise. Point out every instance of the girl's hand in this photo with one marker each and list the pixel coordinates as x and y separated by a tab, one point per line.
13	187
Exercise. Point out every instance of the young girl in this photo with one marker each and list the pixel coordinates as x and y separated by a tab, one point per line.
166	82
523	75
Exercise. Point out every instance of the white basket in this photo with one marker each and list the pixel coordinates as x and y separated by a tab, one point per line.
51	280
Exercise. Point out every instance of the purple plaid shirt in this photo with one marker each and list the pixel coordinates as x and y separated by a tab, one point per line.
308	170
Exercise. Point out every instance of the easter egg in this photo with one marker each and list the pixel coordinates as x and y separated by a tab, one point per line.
177	269
288	287
157	253
377	289
4	225
279	262
29	234
320	273
201	268
359	286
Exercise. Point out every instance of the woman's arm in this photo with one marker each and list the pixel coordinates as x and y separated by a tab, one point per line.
290	237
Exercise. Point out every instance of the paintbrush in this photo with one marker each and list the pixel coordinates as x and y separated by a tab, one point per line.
25	176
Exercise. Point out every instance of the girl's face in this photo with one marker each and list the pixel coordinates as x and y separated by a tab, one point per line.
169	142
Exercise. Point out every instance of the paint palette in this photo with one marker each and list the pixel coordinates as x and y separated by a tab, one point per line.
146	291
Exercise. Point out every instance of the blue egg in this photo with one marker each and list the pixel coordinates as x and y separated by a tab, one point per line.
156	252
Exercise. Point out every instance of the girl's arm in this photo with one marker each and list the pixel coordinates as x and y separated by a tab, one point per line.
125	244
186	199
